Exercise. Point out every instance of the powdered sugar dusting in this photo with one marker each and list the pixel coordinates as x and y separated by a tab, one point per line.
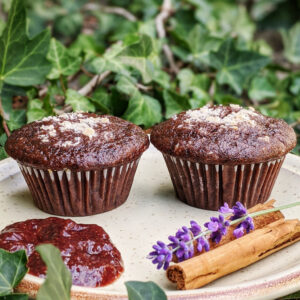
216	115
76	123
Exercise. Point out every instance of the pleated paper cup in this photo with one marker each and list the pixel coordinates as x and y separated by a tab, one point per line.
69	193
208	186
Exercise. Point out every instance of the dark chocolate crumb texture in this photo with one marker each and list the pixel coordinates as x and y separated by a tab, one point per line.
77	141
224	135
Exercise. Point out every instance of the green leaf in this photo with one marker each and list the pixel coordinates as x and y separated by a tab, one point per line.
291	41
295	86
22	61
12	270
102	100
143	110
174	103
136	55
3	139
201	43
126	85
62	62
138	290
188	80
58	282
141	48
15	297
17	119
79	102
35	110
68	25
261	88
235	66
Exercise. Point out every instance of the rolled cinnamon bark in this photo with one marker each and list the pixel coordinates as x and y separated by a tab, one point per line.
209	266
259	222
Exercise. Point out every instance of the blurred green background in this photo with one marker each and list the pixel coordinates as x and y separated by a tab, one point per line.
145	61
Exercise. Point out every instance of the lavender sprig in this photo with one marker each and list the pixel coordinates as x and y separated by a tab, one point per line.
182	244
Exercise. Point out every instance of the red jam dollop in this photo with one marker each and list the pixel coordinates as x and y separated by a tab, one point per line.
86	249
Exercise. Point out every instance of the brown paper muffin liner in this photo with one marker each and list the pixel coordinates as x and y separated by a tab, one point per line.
68	193
208	186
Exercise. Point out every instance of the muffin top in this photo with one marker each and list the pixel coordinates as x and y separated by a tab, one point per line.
224	135
77	141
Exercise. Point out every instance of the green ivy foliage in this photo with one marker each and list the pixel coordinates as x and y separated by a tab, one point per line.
235	51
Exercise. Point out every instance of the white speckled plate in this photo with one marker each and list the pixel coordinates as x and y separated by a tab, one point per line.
153	212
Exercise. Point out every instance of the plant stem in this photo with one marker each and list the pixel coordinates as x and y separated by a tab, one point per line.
164	14
61	80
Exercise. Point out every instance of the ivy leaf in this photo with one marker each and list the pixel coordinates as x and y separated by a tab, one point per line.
291	41
79	102
138	290
17	119
15	297
260	89
35	110
234	66
58	282
143	110
174	103
102	100
12	270
135	55
201	43
22	61
3	139
295	86
62	62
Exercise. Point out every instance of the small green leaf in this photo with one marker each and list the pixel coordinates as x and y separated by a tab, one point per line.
58	282
35	110
102	100
174	103
62	62
136	55
15	297
17	119
12	270
138	290
142	48
79	102
143	110
235	66
291	41
3	139
201	43
295	86
126	85
22	61
261	88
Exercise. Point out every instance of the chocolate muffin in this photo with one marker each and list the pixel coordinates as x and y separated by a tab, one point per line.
78	164
219	154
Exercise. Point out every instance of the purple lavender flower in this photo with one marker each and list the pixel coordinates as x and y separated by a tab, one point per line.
247	225
161	256
226	209
218	227
183	234
195	228
202	242
239	211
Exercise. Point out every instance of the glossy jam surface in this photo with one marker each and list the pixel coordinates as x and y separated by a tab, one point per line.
86	249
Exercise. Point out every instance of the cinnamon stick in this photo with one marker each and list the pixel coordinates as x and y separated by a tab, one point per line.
259	222
209	266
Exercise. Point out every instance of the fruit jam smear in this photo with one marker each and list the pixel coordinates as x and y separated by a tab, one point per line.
85	249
